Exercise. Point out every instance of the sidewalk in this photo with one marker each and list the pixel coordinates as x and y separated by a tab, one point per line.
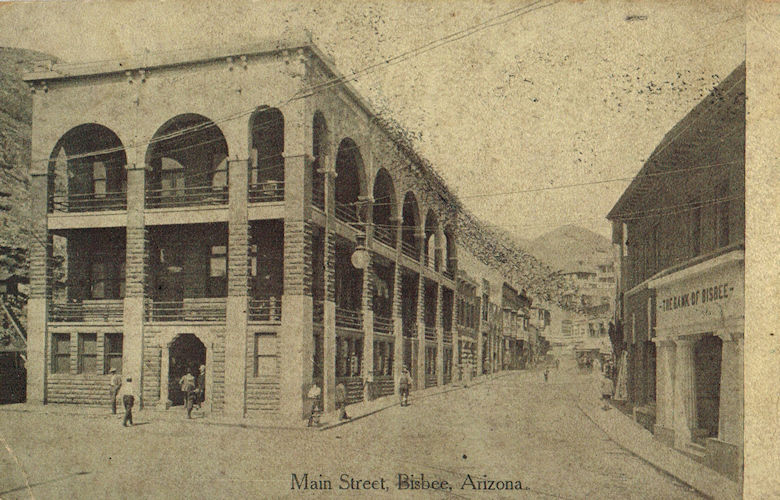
364	409
177	414
632	437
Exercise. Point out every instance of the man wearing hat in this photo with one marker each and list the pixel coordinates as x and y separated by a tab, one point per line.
116	383
403	386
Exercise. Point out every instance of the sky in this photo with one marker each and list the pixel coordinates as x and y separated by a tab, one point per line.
570	92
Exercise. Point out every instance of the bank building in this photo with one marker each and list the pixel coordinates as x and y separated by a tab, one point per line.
245	210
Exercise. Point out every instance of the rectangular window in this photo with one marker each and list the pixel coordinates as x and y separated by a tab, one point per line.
97	280
696	230
722	217
60	353
265	354
113	352
218	262
99	178
87	360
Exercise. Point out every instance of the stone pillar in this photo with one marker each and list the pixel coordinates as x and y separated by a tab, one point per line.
684	393
665	377
367	304
165	354
329	305
421	332
238	298
480	338
398	327
136	270
439	335
41	254
731	411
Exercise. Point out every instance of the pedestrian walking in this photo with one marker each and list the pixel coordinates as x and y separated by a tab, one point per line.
313	403
127	392
201	386
403	386
187	385
341	401
606	391
546	373
116	384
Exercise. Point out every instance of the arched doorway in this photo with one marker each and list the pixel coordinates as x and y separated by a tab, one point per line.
186	354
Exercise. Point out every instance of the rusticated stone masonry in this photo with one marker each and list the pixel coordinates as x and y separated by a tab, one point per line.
330	266
297	257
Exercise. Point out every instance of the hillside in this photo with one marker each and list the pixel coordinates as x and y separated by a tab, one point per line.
566	246
15	119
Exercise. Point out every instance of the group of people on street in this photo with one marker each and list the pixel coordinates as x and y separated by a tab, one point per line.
193	389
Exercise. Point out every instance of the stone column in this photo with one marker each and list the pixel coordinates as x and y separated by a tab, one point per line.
684	393
439	335
421	332
480	338
731	411
329	305
237	303
296	341
367	305
665	377
398	326
41	254
136	271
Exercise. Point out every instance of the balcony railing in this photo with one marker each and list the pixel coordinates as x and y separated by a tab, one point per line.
449	274
410	250
410	330
318	312
447	336
185	197
430	333
347	213
265	310
88	202
266	191
385	236
96	311
383	325
318	194
212	309
347	318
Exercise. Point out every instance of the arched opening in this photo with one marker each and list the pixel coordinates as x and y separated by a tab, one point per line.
349	181
384	208
88	167
187	161
319	150
432	253
410	245
266	166
449	257
186	355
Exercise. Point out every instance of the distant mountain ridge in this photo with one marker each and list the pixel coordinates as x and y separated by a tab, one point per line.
15	126
570	247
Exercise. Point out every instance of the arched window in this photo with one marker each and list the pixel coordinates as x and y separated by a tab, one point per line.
188	163
349	180
266	169
384	208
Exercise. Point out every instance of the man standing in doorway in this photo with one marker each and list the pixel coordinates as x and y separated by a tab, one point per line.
187	385
341	401
116	383
201	386
403	386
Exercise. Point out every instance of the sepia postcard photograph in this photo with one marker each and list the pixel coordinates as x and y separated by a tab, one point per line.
389	249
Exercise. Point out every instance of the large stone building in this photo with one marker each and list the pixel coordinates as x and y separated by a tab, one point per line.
679	229
248	211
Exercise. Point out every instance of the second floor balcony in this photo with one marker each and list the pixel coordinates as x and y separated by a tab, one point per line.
87	311
186	196
349	318
88	202
197	310
383	325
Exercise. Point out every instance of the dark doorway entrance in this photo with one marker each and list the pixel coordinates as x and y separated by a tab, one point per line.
187	353
707	356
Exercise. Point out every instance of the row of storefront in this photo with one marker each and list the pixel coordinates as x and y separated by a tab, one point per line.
287	246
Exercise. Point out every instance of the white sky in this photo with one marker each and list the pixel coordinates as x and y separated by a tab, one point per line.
565	94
